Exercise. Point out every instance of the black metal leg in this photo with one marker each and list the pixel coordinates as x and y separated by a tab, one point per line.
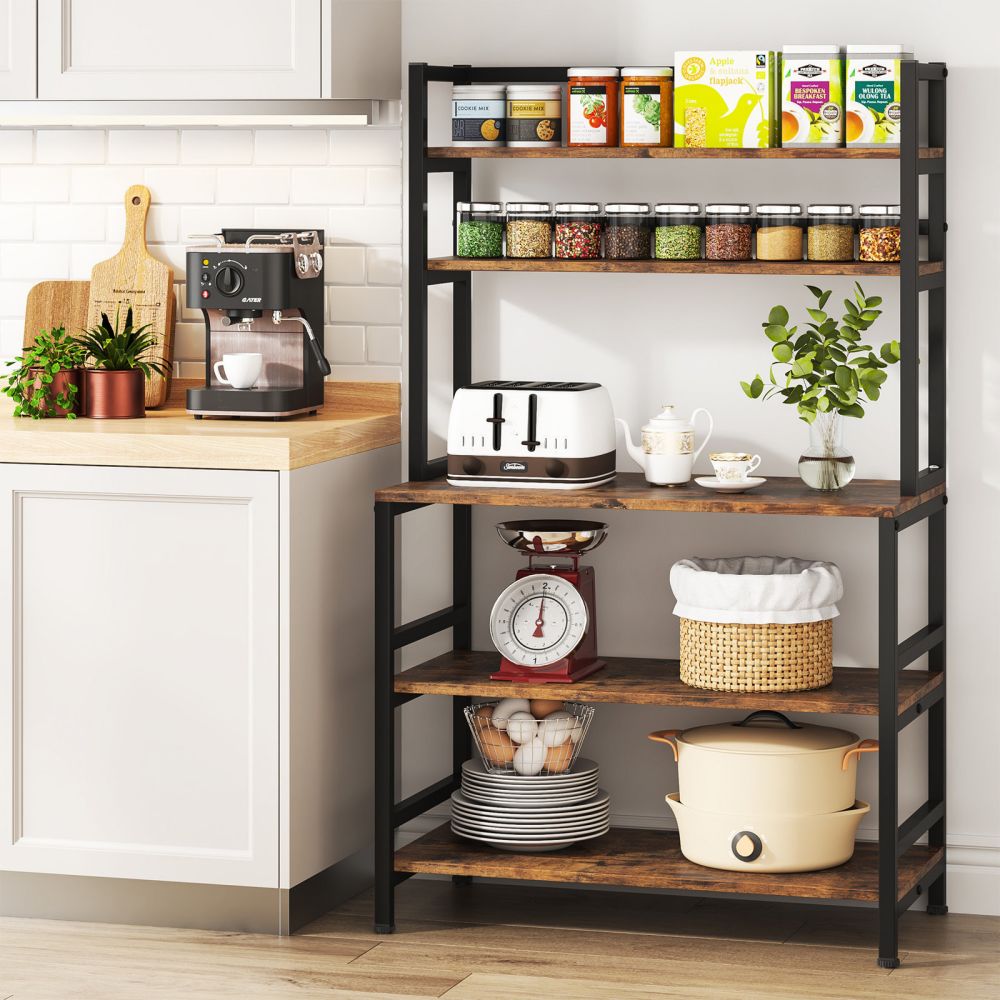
385	717
937	542
888	733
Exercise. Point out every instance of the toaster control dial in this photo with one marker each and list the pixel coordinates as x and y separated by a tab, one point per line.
472	466
555	468
228	279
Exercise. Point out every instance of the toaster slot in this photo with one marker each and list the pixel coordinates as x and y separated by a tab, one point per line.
532	443
497	419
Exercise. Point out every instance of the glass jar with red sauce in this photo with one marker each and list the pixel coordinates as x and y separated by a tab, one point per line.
592	106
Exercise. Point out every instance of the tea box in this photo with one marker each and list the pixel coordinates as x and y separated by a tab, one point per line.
726	99
812	95
874	113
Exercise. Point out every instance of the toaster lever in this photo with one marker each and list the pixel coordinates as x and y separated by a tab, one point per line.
497	419
532	443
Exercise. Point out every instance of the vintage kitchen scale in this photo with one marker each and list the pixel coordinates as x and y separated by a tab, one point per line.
545	623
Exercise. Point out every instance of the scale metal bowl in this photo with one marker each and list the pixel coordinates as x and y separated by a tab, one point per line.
553	536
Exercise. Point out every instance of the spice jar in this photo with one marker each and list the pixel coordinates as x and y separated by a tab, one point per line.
647	106
626	232
592	106
830	232
779	232
529	229
534	115
479	232
728	232
878	236
677	235
578	231
477	116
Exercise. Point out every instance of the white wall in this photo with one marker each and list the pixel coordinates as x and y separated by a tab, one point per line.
61	195
689	340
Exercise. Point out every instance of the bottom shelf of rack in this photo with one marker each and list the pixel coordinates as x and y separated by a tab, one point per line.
651	859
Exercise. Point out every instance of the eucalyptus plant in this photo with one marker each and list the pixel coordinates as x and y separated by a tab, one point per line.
826	368
30	384
113	348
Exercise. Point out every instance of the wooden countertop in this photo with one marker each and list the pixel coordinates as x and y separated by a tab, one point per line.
357	417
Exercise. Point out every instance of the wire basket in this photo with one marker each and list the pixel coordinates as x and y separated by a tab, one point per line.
544	744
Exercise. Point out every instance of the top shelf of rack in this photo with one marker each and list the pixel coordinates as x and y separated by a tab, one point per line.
667	153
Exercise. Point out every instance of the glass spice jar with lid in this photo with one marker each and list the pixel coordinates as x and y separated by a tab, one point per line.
479	232
677	235
779	232
529	229
830	232
578	230
626	231
728	232
879	236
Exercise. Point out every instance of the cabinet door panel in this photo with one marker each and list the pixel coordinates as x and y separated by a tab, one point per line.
17	50
184	50
141	692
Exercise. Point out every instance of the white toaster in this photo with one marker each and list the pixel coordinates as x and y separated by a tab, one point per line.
544	435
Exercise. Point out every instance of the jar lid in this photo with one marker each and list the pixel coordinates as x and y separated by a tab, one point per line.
525	89
830	209
577	208
626	208
779	209
872	50
727	209
534	207
768	737
611	71
473	90
480	206
802	50
676	209
878	209
648	71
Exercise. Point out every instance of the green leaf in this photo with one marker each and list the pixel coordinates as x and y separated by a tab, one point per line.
890	352
843	376
801	366
823	298
807	413
817	314
871	391
778	316
870	315
757	386
874	301
851	308
818	292
854	410
782	352
823	404
776	333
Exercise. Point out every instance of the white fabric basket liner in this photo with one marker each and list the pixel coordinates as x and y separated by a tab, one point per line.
756	590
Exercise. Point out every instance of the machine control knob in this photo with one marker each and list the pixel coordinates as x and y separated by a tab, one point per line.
229	279
472	466
555	468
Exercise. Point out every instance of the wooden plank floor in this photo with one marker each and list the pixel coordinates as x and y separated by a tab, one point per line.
488	942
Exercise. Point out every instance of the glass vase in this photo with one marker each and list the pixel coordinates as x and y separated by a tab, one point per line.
826	464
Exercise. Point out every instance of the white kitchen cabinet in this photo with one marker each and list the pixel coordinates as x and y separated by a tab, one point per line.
181	50
139	683
17	50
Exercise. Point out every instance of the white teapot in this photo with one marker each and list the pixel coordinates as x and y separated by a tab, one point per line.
667	454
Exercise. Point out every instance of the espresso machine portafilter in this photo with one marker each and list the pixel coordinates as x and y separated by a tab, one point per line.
260	292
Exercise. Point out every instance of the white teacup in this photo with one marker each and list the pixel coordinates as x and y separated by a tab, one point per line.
241	370
733	466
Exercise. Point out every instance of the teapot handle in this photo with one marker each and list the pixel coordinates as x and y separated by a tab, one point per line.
711	425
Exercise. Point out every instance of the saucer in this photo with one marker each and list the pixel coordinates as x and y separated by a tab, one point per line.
730	485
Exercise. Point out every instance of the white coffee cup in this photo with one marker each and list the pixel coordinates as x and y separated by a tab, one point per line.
241	370
733	466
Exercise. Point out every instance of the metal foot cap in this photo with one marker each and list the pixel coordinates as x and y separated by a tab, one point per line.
385	928
888	963
937	909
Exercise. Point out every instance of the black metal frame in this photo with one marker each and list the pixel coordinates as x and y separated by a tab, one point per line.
893	656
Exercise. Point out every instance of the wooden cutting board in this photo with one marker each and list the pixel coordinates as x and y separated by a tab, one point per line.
134	277
56	303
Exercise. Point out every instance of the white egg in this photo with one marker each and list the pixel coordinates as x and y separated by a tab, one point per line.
522	727
530	757
505	708
556	728
576	732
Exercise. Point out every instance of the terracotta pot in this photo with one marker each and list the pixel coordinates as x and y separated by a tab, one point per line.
59	383
110	395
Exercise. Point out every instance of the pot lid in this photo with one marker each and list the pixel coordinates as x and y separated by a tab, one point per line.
768	733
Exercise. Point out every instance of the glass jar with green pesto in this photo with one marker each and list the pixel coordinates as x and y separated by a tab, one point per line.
677	235
479	230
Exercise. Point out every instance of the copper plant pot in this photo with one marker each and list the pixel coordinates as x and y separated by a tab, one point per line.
60	382
114	395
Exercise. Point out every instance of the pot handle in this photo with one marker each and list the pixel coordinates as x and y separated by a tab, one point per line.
767	713
865	746
668	736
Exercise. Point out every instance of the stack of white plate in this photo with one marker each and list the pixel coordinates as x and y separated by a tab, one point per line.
542	812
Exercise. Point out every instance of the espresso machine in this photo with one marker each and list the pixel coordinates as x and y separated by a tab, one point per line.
261	292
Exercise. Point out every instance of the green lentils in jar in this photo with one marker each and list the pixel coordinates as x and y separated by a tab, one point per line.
480	229
677	235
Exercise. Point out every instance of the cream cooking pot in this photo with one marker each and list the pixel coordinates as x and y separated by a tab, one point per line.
766	765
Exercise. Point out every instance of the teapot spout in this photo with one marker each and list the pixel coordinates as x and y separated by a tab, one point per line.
635	453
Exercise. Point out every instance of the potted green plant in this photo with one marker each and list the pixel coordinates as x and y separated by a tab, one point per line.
825	372
46	377
122	360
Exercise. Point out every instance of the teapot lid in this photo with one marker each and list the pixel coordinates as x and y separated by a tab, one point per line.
666	416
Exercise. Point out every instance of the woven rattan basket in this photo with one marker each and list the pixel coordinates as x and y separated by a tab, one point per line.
733	657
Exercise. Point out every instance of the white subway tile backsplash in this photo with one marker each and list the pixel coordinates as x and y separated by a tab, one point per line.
16	145
13	295
384	344
34	184
101	184
329	185
216	146
252	186
345	265
16	222
143	145
344	345
189	341
71	223
290	216
200	220
11	337
161	223
83	257
385	186
181	185
365	373
385	266
365	305
365	226
366	147
291	146
69	145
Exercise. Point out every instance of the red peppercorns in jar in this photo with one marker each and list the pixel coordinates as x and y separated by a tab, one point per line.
578	231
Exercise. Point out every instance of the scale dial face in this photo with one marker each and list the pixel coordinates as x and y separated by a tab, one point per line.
538	620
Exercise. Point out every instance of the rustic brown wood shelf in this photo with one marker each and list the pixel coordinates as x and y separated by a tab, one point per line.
667	153
767	267
630	491
642	681
652	859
